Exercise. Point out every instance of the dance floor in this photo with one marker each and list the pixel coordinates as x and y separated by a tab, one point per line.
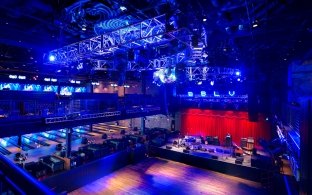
160	176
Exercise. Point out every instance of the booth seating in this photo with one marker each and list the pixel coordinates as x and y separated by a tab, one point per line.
36	169
116	144
53	163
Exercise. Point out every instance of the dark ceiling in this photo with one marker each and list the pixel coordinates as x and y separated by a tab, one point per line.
267	33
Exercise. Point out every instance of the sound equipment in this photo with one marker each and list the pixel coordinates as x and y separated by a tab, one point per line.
214	157
168	147
186	151
194	41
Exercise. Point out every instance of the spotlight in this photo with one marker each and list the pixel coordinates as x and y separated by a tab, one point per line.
237	73
123	8
238	79
204	19
199	82
211	83
84	27
52	58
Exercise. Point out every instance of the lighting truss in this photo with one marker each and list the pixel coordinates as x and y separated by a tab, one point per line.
158	63
204	72
149	31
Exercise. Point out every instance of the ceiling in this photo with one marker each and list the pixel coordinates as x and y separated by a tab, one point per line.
269	34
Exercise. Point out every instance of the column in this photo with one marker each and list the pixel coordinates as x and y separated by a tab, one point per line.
19	141
68	141
142	125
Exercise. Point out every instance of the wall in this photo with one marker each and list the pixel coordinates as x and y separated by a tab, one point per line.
219	123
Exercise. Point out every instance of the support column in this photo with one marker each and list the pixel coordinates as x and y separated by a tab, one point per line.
91	128
68	141
142	125
19	141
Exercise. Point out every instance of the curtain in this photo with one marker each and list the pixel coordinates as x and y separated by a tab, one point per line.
219	123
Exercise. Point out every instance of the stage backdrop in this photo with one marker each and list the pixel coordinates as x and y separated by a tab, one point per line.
219	123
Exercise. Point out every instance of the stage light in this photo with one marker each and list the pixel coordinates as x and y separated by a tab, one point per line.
78	82
54	80
211	83
204	19
47	79
199	82
21	77
237	73
190	94
84	27
238	79
72	81
52	58
255	25
203	93
123	8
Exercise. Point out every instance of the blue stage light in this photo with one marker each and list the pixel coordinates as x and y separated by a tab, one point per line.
52	58
211	83
237	73
190	94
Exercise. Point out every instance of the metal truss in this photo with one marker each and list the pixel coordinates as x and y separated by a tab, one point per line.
82	117
205	72
146	32
158	63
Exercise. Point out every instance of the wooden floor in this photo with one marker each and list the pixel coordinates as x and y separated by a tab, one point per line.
159	176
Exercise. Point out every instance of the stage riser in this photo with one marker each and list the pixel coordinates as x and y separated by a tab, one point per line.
236	170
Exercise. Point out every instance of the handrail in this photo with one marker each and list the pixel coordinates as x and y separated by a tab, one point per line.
21	179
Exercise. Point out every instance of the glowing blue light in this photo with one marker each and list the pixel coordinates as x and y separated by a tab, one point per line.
46	134
237	73
3	142
190	94
52	58
203	93
238	79
211	83
232	93
216	94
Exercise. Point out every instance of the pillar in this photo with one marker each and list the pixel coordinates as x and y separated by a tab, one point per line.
142	125
68	141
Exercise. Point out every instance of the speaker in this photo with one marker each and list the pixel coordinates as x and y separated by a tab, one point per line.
131	55
194	41
186	151
168	147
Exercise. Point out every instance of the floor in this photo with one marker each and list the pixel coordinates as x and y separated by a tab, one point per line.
160	176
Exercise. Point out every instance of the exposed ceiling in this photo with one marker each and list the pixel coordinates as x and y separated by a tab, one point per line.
266	33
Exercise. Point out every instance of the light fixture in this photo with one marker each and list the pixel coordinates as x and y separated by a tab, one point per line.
237	73
123	8
21	77
84	27
52	58
190	94
47	79
54	80
211	83
204	19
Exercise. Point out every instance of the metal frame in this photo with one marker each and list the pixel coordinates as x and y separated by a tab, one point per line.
146	32
203	72
82	117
